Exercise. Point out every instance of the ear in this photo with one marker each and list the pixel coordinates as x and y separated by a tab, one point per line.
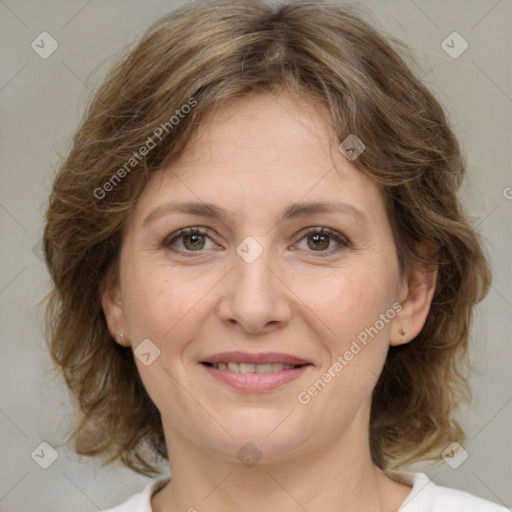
415	296
114	313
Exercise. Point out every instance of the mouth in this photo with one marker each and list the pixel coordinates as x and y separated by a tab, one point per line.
255	372
253	368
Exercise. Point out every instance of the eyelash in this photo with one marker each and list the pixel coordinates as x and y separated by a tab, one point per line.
344	243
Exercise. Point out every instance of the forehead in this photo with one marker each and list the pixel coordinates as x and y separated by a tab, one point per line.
265	126
264	150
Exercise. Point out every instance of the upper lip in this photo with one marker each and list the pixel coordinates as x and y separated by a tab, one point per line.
247	357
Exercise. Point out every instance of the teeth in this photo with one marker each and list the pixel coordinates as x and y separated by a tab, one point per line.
246	367
260	368
253	368
233	367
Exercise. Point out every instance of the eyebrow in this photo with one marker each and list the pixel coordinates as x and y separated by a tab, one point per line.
293	211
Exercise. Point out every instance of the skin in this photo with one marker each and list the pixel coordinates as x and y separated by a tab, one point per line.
290	299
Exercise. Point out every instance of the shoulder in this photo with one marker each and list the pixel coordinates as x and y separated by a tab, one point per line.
141	502
449	498
426	496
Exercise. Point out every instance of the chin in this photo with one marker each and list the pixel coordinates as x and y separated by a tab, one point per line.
270	439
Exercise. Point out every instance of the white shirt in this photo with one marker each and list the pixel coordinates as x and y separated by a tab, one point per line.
425	496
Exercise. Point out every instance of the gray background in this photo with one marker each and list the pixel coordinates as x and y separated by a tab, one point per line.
42	101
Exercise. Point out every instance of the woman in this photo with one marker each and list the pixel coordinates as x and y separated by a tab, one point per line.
262	271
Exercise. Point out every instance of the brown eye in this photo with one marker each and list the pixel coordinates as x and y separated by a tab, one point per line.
192	240
319	240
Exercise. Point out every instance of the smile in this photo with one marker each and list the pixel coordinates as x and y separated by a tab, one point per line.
253	368
255	378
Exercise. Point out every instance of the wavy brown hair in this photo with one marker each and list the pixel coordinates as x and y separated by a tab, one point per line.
211	53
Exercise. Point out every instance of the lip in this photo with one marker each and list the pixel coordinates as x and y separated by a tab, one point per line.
256	382
254	358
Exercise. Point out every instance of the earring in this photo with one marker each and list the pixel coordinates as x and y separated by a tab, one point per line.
402	332
120	334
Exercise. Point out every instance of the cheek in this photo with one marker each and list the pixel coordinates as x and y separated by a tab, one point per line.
355	307
164	305
164	311
352	297
150	302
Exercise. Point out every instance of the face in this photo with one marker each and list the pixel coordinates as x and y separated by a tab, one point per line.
260	278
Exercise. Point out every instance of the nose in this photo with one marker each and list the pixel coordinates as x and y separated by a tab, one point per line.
255	295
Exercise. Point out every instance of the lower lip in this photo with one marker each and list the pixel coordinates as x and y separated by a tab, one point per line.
255	381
